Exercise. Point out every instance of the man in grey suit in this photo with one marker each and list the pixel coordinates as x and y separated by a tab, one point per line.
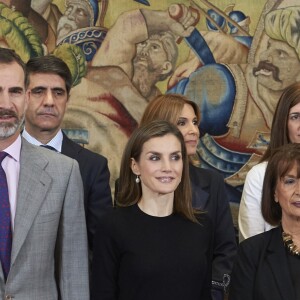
48	258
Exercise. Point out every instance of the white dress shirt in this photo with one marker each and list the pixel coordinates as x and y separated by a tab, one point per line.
56	142
11	166
250	220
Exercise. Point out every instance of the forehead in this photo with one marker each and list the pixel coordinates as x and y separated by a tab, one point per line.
11	74
288	168
168	143
46	80
188	110
295	108
82	6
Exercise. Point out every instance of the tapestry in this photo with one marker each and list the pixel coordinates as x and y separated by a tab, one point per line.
233	60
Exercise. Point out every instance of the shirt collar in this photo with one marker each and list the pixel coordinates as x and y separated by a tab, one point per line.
14	149
56	142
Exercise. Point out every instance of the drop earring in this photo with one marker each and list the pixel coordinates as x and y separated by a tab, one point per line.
137	179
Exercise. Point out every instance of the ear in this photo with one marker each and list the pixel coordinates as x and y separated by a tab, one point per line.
166	68
134	167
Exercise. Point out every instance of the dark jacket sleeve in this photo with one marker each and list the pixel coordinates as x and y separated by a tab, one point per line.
106	261
208	186
95	177
225	246
97	194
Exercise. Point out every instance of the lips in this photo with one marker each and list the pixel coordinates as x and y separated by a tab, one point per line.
5	117
48	113
7	114
296	203
165	179
191	142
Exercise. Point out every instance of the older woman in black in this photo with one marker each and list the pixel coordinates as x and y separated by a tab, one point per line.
268	264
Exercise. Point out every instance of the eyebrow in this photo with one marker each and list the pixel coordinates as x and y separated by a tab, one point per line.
184	118
159	153
15	89
45	88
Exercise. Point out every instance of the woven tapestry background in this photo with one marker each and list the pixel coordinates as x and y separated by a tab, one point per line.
234	63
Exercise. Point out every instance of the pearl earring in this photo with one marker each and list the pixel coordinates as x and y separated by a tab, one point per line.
137	179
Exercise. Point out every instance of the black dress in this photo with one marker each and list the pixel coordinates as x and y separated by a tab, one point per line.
137	256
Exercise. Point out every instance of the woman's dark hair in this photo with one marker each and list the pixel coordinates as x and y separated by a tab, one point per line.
130	192
279	130
280	162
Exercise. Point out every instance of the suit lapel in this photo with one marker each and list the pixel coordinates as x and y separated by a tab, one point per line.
34	183
69	148
277	260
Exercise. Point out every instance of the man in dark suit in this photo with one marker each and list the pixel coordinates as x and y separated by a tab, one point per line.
43	240
49	84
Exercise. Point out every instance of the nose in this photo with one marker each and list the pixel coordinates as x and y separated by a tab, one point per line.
193	129
267	56
71	15
145	50
48	99
297	189
5	100
166	166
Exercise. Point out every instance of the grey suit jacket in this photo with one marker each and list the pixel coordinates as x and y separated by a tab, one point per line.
49	257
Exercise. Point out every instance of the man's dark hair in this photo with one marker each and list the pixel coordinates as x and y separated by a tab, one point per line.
8	56
50	64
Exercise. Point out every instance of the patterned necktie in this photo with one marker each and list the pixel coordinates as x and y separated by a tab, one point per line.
5	221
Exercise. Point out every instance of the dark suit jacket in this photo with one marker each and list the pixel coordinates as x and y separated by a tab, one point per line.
261	271
95	176
209	195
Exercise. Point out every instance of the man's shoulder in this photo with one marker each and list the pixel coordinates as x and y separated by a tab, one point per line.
40	154
71	149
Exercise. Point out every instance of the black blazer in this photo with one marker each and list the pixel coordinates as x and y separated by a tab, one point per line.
95	177
261	271
209	194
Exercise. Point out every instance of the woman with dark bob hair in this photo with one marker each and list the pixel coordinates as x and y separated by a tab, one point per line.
268	264
154	245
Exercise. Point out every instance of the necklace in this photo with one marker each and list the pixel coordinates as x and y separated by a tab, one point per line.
288	242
